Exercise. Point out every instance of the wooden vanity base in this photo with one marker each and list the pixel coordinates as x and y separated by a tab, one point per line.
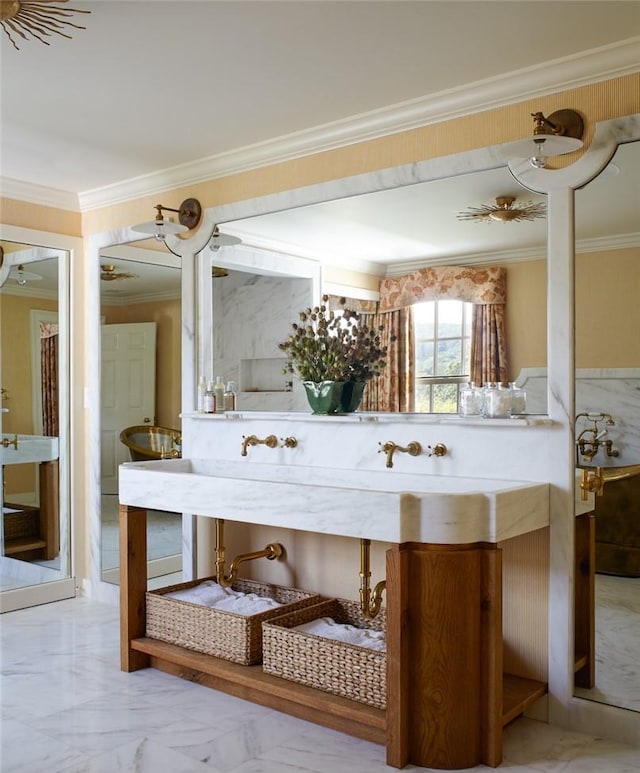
447	697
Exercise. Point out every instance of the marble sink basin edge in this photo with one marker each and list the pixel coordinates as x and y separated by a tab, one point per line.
380	505
31	448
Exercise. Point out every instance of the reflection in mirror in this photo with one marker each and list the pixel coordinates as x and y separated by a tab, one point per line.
396	231
608	432
140	307
35	519
252	312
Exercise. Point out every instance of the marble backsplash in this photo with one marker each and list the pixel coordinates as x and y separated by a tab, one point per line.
598	390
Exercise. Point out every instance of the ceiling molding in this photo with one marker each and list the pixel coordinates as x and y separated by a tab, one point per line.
603	63
38	194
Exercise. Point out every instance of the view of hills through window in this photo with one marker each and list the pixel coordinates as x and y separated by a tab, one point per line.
442	354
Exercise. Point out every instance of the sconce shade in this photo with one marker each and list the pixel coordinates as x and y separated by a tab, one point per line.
22	277
540	145
219	240
556	135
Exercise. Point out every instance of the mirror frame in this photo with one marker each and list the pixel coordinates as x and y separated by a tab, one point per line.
68	248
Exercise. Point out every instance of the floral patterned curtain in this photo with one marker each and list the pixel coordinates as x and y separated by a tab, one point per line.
392	390
486	288
49	367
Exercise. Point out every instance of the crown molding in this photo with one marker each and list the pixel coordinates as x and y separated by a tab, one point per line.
598	64
38	194
603	63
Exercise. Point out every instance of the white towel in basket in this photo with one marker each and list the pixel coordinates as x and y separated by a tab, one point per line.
211	594
362	637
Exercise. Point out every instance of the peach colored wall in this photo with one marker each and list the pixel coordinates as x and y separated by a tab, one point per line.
607	309
166	315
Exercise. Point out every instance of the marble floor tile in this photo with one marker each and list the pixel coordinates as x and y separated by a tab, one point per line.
67	708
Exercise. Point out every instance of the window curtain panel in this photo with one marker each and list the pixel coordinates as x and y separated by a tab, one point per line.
49	380
486	288
392	390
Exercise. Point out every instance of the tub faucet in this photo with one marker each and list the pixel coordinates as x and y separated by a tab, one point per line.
590	439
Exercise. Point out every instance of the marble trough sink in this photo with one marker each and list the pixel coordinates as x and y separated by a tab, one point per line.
380	505
31	448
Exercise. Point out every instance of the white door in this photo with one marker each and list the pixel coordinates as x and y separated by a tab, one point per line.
128	391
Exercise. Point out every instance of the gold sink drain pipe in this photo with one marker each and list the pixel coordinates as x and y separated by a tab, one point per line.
272	551
369	602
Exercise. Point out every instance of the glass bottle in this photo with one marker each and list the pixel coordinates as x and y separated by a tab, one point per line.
218	391
230	397
202	388
209	399
518	399
470	400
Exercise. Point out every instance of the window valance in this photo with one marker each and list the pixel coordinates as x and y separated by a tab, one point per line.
460	283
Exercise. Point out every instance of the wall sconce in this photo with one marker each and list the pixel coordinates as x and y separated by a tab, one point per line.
189	216
219	240
556	135
22	277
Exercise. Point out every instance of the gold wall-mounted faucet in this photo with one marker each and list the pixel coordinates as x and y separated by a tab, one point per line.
389	448
288	442
271	441
413	449
6	442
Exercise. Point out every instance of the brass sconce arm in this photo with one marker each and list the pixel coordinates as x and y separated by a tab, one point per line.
271	441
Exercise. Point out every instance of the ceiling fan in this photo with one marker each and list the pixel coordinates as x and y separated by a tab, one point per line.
504	211
108	273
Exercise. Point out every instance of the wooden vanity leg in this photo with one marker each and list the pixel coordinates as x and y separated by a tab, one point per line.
49	508
584	609
133	585
444	654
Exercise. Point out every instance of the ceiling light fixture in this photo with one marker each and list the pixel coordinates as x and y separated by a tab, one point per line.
556	135
504	211
189	215
22	277
108	273
219	240
36	19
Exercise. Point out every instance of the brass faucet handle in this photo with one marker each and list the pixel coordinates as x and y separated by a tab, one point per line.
438	450
413	449
288	442
271	441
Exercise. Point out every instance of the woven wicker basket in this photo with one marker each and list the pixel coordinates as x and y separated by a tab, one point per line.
337	667
226	635
21	524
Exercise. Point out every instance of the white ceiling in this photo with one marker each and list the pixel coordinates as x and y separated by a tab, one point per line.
157	91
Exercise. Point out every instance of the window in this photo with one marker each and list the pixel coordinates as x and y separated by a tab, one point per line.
442	354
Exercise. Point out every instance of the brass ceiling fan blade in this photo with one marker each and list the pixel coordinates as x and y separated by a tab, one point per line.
108	273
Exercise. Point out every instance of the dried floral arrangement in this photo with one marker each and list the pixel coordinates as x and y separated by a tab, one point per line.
330	346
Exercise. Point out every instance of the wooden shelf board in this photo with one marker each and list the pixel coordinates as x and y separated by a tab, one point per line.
518	694
22	544
251	683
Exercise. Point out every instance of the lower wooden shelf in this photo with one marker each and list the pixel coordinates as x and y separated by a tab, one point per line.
252	684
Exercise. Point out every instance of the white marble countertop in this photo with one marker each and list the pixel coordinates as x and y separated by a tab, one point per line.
31	448
383	505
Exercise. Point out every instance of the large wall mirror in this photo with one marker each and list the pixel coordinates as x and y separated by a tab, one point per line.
608	424
394	231
140	389
34	373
